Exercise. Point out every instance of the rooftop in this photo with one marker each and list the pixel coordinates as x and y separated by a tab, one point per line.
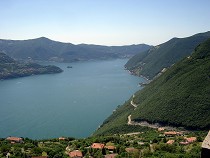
206	142
97	146
75	153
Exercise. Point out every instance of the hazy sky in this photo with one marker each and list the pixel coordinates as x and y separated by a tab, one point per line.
105	22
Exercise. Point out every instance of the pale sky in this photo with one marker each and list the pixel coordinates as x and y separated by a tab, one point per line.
104	22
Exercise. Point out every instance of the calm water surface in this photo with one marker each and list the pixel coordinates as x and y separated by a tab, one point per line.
73	103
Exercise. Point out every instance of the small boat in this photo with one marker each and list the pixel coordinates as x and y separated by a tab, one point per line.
69	66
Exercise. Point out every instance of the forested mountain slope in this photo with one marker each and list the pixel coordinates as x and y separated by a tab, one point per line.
46	49
179	97
150	63
10	68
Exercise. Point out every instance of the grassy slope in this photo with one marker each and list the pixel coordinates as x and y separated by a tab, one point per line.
181	96
151	62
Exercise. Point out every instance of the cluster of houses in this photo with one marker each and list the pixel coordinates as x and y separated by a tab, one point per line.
78	154
186	140
100	146
111	148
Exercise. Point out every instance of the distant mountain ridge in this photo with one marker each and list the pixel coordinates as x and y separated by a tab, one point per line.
10	68
151	62
179	97
49	50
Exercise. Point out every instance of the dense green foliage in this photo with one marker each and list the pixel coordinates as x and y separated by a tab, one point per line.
151	62
9	68
179	97
45	49
146	144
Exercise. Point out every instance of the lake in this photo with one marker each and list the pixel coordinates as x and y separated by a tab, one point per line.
73	103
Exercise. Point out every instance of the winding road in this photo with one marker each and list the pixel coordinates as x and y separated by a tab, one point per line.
129	117
129	120
145	123
133	104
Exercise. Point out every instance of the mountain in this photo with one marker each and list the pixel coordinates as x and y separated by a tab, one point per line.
10	68
150	63
46	49
178	97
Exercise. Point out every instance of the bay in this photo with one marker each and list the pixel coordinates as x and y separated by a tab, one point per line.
73	103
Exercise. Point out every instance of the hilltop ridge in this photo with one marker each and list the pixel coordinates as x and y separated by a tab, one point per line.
48	50
151	62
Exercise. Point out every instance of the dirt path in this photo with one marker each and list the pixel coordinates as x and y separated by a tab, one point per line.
133	104
129	120
145	123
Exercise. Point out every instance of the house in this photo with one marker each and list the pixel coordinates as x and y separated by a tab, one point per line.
190	139
97	146
171	141
205	151
131	150
172	133
184	143
14	140
161	129
110	147
75	154
62	138
110	155
140	143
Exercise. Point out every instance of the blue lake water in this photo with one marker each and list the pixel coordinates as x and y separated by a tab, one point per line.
73	103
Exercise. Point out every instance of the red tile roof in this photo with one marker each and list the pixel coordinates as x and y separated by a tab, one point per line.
191	139
97	146
170	141
14	139
173	133
170	133
75	153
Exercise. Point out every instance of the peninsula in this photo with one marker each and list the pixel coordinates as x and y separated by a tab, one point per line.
10	68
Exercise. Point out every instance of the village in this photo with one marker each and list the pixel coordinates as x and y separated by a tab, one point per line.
152	143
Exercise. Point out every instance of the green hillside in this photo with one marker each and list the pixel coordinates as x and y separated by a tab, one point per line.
179	97
46	49
117	122
9	68
151	62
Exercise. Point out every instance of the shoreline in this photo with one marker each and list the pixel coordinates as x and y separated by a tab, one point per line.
134	74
